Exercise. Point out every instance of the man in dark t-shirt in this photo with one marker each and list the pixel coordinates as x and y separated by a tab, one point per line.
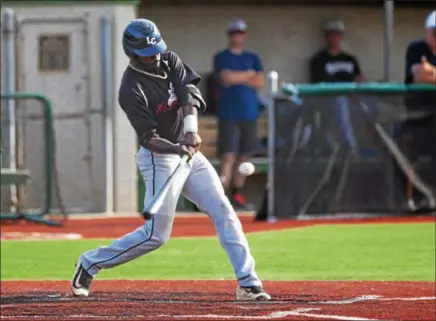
333	65
421	106
418	132
420	128
158	93
329	67
421	56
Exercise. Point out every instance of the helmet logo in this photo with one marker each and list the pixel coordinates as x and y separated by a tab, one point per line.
151	41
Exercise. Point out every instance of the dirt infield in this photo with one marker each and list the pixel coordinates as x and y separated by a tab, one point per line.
214	300
207	300
183	226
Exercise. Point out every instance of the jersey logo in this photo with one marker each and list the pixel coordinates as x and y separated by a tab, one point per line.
339	66
172	98
171	102
151	40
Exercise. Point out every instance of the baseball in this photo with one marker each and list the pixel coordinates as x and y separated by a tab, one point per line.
246	168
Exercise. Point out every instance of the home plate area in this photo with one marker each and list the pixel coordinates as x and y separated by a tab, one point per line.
214	300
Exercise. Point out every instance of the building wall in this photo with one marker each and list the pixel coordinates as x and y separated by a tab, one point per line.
80	140
285	37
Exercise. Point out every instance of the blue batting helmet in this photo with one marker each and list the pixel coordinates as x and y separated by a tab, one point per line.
142	38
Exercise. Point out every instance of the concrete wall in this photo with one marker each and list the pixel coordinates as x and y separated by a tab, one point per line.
286	36
77	100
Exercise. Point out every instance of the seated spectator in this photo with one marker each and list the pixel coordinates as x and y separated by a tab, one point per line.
240	74
421	56
333	65
418	138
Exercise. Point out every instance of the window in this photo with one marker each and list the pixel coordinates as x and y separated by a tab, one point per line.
54	53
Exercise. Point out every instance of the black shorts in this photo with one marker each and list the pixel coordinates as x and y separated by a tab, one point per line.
237	137
419	137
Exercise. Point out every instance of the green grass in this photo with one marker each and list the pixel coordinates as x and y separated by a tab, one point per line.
336	252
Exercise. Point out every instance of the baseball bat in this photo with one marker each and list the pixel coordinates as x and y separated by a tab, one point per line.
157	200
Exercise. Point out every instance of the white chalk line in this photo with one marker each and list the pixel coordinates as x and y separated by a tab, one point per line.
353	300
423	298
271	316
37	236
304	312
274	315
252	304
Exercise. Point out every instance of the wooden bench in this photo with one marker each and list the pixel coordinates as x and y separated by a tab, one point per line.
209	132
14	176
208	129
22	177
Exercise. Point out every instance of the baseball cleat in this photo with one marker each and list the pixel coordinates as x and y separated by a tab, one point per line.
81	282
252	293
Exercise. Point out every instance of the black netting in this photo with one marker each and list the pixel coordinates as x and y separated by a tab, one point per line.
354	154
32	139
30	154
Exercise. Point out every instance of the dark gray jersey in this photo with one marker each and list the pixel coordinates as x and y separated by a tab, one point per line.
152	104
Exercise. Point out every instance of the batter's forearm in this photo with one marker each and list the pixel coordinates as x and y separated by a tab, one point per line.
191	105
190	120
162	146
190	110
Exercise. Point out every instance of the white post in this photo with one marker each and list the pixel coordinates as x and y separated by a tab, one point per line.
108	105
273	87
273	83
125	140
9	30
389	12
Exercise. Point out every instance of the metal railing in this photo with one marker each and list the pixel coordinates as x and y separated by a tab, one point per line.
48	141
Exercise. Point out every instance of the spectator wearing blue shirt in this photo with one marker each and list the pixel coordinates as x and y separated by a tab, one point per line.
240	74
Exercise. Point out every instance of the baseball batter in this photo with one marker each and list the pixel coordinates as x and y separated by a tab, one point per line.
159	96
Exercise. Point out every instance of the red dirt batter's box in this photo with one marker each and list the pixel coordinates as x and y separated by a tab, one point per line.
213	300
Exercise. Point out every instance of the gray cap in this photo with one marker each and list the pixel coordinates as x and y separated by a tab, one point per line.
430	23
237	25
336	25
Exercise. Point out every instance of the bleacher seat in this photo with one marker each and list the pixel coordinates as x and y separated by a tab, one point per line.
208	129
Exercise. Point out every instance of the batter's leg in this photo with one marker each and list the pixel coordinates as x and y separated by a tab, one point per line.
203	187
155	169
